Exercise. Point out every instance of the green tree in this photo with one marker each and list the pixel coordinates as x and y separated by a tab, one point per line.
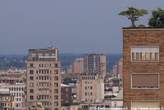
157	19
133	14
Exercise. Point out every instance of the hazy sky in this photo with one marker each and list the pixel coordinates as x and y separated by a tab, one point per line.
74	26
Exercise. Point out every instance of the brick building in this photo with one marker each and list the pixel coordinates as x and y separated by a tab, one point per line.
143	67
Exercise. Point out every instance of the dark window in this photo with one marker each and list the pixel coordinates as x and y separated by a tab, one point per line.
56	65
31	97
56	97
56	78
31	78
55	90
31	90
31	65
31	72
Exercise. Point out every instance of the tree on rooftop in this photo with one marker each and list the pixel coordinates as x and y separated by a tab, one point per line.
157	19
133	14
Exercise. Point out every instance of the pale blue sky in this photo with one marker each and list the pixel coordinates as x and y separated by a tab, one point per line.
74	26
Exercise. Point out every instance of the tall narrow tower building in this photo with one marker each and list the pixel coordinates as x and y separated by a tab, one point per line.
43	78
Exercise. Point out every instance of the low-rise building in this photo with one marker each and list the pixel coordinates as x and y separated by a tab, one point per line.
115	103
18	92
91	88
6	100
71	107
38	106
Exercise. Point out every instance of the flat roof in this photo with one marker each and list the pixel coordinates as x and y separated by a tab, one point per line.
43	49
143	28
119	96
4	91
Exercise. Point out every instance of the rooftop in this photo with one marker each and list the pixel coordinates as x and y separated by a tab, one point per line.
4	91
119	96
42	50
143	28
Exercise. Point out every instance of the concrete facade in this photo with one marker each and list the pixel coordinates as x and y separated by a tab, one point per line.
90	89
95	64
44	78
17	91
6	100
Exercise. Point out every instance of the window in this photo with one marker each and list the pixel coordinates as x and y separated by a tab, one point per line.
145	53
56	84
145	105
145	81
55	97
31	65
31	90
31	78
55	90
31	72
56	65
56	103
56	72
31	97
85	94
56	78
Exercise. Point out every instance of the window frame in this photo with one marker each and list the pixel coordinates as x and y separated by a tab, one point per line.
131	84
133	54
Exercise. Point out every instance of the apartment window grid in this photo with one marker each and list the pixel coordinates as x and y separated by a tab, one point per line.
145	53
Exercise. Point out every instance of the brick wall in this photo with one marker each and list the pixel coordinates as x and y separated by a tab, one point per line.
142	37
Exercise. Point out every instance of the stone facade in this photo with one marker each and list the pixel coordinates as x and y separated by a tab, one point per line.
90	89
44	78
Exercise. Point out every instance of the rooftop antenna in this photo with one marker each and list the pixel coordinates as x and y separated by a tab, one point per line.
51	45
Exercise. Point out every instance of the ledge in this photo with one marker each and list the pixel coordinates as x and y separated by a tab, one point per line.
143	28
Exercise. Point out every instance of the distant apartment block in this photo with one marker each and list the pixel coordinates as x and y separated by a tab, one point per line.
90	88
12	77
143	68
117	69
78	65
14	80
95	64
17	91
115	103
43	78
6	100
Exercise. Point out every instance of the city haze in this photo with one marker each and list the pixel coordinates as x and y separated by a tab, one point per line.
74	26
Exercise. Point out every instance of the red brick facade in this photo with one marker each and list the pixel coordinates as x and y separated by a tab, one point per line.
142	37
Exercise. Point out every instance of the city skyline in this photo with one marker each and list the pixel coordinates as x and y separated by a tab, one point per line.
73	26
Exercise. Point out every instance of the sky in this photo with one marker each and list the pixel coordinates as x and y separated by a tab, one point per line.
73	26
